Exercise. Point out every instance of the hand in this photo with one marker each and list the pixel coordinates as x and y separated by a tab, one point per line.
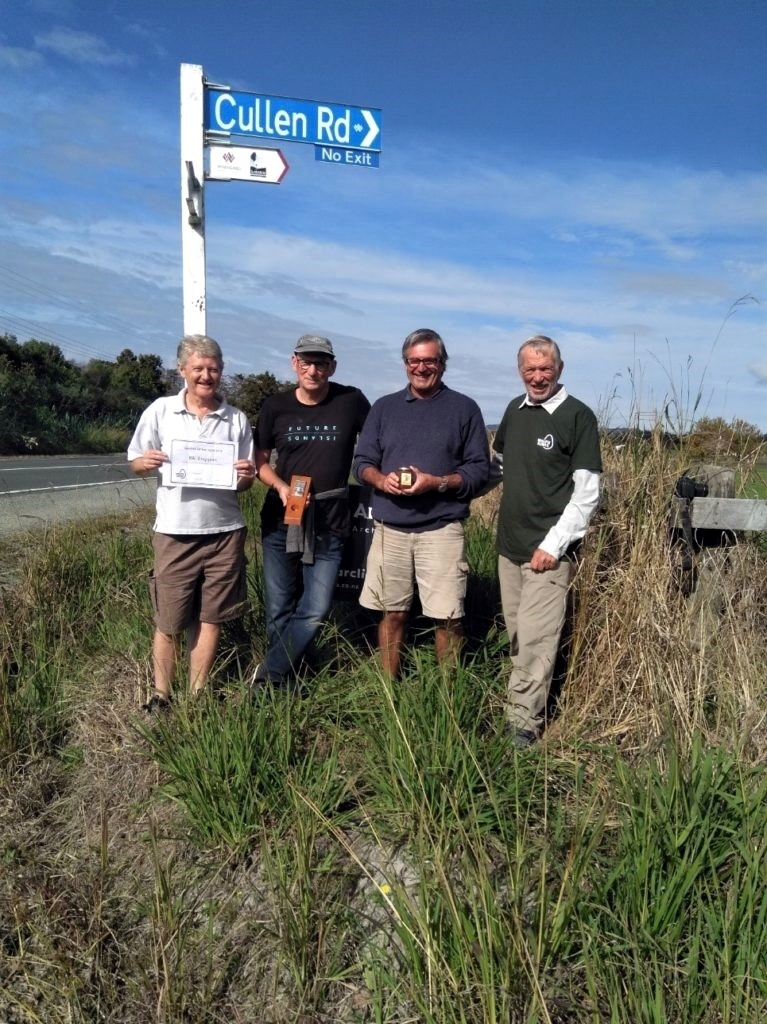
283	490
245	469
542	561
422	482
390	483
153	459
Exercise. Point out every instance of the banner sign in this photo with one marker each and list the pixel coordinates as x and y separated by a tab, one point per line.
352	571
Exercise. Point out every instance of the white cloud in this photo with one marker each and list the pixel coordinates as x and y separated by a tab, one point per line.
17	58
665	208
753	272
82	48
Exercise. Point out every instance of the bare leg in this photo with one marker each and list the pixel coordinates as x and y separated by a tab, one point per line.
391	634
448	639
203	642
164	660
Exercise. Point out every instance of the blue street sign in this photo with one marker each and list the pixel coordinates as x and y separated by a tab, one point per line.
355	157
277	118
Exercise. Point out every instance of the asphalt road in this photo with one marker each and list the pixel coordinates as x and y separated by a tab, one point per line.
39	491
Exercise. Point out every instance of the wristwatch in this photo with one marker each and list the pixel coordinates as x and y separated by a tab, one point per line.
442	486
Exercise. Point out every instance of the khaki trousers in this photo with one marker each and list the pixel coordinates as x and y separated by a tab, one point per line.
534	606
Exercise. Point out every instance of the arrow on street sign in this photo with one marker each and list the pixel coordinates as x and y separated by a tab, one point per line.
246	163
373	130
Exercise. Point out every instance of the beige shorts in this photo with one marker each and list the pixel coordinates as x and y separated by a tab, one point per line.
434	561
197	578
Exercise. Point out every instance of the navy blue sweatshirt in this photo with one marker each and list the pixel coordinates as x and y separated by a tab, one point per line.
440	435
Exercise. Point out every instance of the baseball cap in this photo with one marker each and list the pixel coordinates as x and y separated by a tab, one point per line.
314	344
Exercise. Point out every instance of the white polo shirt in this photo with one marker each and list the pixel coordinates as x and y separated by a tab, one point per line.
192	510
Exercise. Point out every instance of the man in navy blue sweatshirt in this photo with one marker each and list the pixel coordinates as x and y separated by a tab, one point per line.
424	450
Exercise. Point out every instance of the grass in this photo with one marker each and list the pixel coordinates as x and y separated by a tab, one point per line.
755	485
366	851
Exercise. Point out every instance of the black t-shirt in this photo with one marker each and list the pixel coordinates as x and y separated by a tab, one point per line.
316	441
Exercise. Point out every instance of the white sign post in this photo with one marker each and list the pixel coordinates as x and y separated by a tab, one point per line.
193	200
210	114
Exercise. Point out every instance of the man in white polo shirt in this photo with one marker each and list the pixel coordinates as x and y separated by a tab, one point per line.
198	581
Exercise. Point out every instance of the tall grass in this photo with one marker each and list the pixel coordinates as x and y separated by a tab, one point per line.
643	665
678	893
362	850
63	611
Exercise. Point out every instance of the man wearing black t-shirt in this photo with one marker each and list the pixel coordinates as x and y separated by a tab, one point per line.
548	442
313	429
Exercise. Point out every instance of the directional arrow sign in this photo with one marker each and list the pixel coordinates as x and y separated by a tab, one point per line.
244	163
285	120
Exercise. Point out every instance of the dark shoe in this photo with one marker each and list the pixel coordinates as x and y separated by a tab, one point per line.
522	738
156	704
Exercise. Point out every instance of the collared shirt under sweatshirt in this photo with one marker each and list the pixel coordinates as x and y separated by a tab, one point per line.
551	467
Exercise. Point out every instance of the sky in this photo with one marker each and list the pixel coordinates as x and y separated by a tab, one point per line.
593	171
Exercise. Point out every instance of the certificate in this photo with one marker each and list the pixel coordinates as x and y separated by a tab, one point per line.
202	464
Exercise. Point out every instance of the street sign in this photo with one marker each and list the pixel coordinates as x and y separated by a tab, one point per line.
356	157
287	120
210	116
246	163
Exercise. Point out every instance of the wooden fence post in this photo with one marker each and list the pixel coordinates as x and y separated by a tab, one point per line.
707	524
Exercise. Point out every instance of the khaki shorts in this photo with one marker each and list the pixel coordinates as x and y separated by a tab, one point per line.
197	578
434	561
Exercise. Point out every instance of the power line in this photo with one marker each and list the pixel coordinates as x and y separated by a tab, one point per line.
18	326
30	286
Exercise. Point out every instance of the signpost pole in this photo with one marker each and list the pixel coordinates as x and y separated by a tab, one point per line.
192	200
340	134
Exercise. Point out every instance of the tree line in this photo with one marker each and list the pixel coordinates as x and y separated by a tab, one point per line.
53	405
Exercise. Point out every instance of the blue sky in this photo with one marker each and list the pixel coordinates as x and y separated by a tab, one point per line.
594	171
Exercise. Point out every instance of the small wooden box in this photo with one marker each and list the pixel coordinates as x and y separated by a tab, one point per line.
297	498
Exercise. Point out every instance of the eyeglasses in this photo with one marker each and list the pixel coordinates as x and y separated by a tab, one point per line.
428	364
323	365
